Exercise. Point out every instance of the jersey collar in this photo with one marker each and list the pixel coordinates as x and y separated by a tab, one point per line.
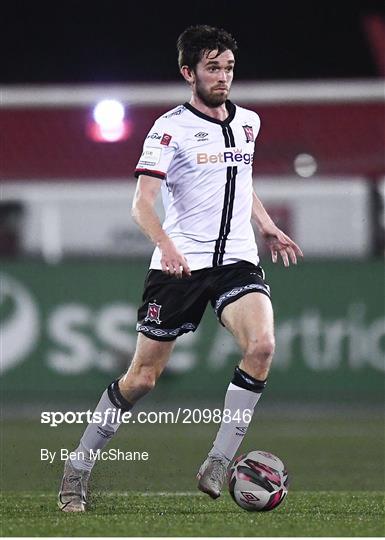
230	109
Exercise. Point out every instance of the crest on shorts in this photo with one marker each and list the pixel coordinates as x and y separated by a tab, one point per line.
153	313
249	133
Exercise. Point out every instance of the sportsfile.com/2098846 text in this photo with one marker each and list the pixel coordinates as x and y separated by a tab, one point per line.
180	415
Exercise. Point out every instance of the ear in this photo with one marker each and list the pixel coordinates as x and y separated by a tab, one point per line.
188	74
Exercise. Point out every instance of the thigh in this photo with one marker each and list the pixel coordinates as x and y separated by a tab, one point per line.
250	319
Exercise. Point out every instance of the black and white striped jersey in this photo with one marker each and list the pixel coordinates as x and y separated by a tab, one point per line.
206	165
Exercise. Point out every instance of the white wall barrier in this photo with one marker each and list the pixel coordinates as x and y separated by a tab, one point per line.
328	217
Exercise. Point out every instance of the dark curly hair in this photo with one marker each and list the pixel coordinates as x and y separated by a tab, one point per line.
195	40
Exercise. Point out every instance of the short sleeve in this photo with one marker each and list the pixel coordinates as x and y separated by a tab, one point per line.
159	149
257	125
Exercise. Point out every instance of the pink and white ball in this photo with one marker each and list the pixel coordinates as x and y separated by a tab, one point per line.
258	481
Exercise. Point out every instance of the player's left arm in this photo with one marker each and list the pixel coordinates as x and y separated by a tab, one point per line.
276	239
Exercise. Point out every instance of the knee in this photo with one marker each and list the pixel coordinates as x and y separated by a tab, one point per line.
260	350
137	382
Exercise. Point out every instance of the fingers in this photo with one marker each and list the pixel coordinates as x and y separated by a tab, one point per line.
173	269
296	249
186	268
285	257
176	267
287	249
289	243
287	254
292	255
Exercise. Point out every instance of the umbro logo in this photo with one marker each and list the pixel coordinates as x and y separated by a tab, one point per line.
201	136
104	433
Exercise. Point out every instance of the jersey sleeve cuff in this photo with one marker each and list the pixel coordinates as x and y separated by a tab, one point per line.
149	172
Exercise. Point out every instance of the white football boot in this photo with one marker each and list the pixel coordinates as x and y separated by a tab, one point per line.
73	490
212	475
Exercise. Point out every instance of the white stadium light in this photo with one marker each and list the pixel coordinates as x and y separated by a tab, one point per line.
109	113
110	124
305	165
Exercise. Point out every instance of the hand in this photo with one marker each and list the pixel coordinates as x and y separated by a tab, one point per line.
173	261
279	242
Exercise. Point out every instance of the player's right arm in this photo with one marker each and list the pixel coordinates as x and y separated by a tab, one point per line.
143	212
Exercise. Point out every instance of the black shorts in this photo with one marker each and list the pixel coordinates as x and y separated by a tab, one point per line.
173	306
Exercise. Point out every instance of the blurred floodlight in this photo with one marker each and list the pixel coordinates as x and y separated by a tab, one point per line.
305	165
109	113
109	123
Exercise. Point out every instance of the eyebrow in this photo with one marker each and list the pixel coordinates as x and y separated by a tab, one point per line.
216	63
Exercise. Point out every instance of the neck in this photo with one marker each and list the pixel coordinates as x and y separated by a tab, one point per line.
219	113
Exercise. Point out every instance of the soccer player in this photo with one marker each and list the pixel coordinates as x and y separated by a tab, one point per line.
200	156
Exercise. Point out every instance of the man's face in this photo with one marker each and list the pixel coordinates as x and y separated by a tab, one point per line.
213	77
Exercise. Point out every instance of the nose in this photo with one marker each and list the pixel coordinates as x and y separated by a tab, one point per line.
222	77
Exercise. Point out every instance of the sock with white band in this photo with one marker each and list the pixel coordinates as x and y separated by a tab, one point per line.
97	434
241	397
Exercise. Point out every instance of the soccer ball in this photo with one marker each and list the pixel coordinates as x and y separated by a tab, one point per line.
258	481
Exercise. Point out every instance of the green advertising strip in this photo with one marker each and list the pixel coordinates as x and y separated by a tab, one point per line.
69	329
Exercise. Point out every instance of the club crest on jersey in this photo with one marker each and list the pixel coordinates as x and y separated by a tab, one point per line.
166	139
249	133
153	313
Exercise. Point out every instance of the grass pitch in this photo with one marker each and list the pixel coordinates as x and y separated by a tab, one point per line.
166	514
335	463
